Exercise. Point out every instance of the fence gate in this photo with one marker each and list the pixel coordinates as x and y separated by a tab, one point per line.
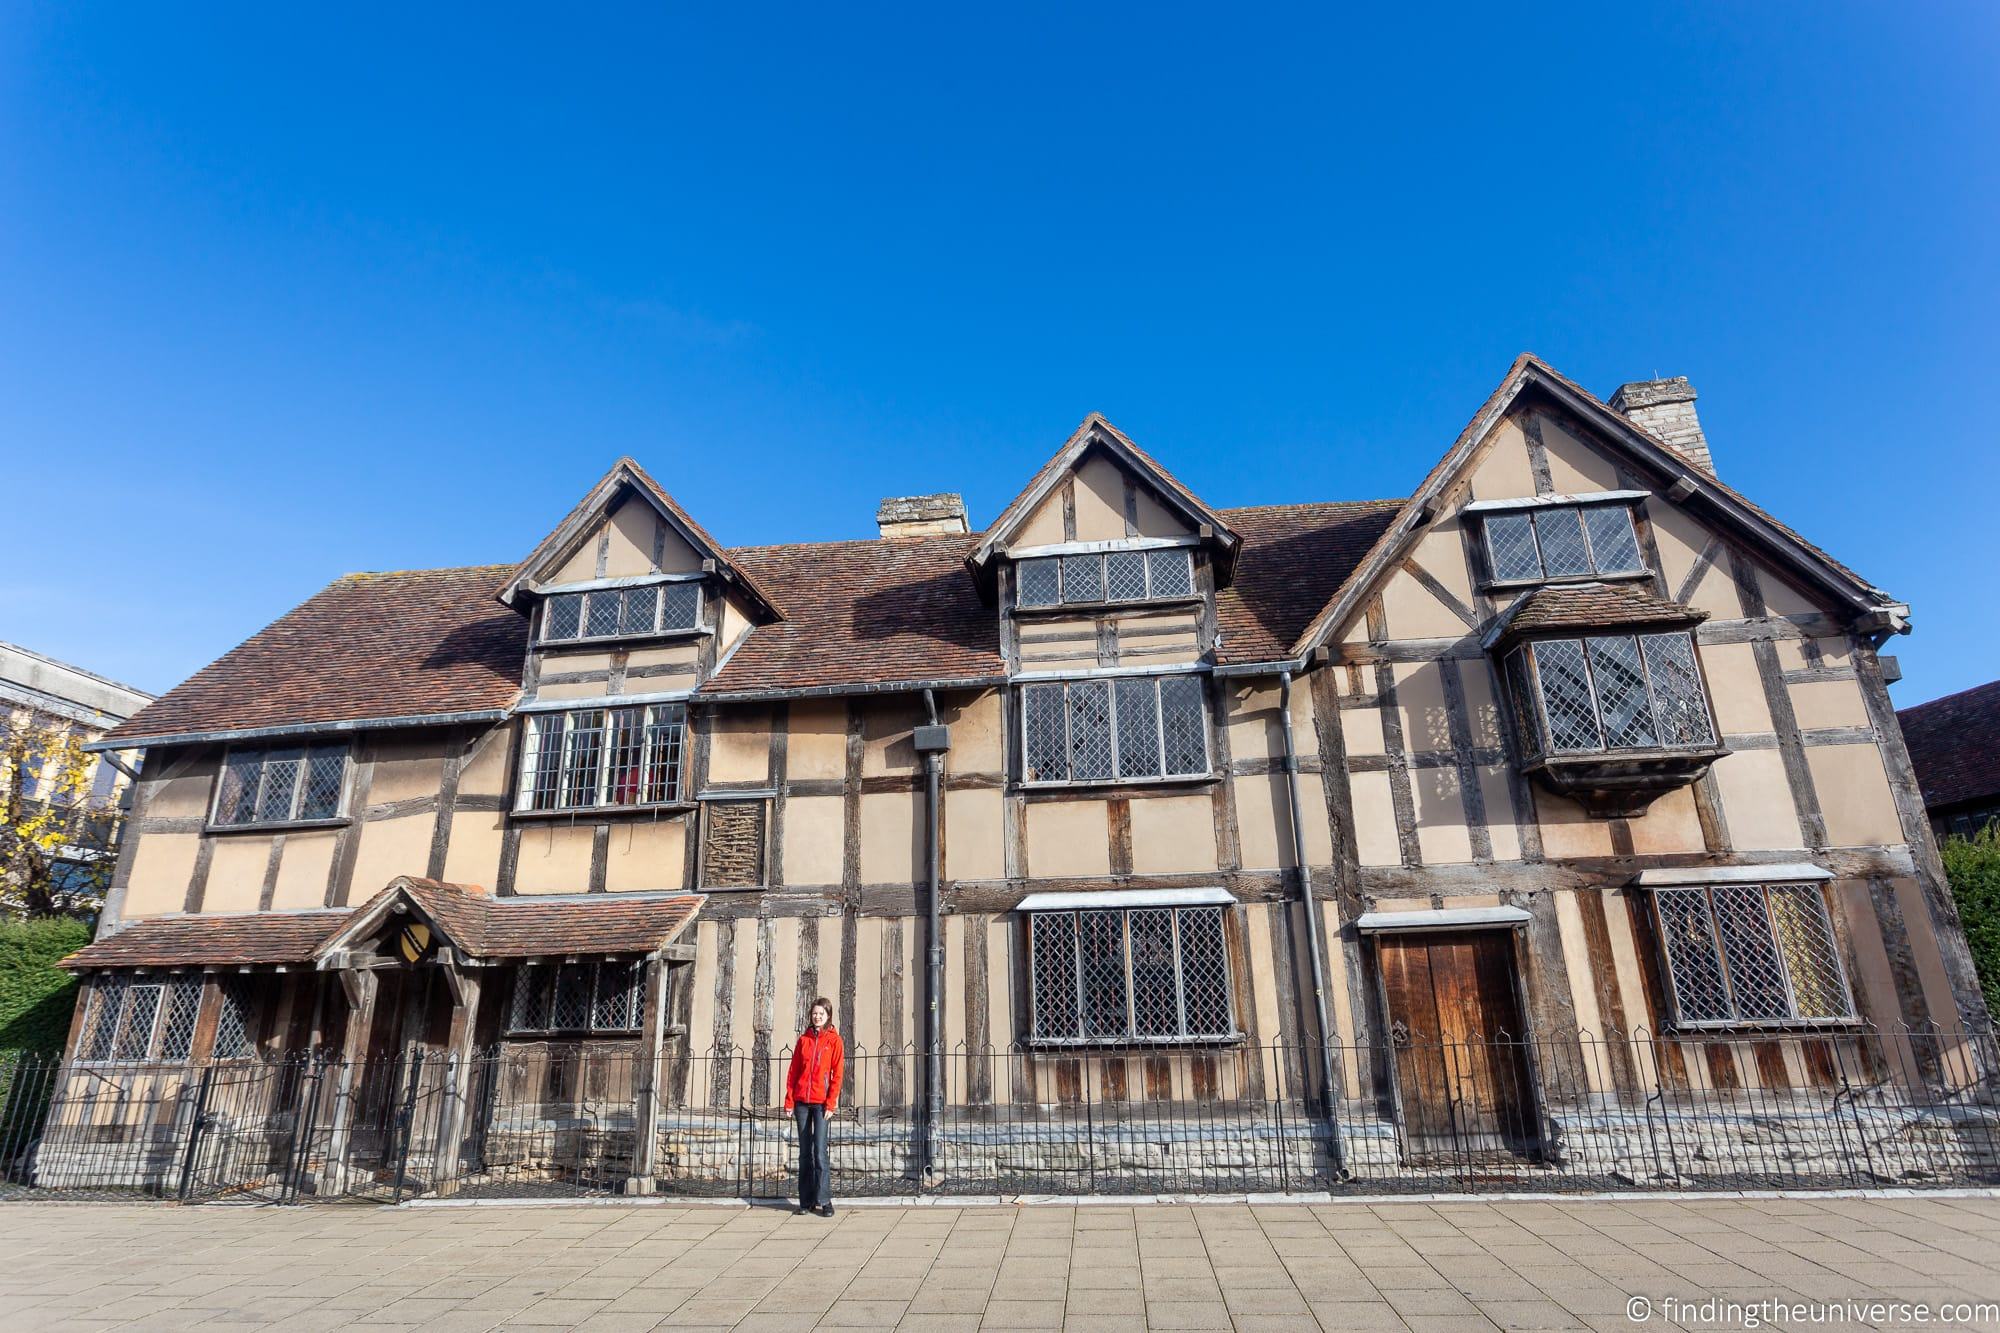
245	1127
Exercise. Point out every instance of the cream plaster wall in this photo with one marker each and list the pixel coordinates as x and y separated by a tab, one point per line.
162	864
817	746
647	854
553	858
974	823
891	837
1757	801
1067	838
1854	795
303	870
236	873
1173	834
392	847
813	837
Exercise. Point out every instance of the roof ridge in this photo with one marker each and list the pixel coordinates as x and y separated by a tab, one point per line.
1947	698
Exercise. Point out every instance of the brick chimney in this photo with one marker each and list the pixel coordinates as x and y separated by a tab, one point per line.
1666	408
922	515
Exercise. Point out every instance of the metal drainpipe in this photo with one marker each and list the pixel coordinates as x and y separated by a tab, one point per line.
1311	907
932	740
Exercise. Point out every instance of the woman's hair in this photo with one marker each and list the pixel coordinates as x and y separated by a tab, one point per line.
821	1002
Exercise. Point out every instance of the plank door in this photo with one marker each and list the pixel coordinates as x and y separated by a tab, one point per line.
1461	1056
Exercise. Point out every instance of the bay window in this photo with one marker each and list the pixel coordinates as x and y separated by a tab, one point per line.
1608	692
594	758
1114	729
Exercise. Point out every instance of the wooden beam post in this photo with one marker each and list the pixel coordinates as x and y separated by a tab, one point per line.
646	1099
463	984
360	989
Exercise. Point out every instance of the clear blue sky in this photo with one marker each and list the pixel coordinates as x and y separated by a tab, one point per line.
292	292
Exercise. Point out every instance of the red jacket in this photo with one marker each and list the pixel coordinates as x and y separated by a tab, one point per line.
817	1061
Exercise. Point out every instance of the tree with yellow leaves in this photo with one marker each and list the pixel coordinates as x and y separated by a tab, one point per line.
56	821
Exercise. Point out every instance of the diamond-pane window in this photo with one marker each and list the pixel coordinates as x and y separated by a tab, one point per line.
569	1010
638	610
601	612
1045	743
1614	547
1614	692
1171	573
1559	532
1566	699
280	786
1090	752
107	1009
183	1007
1678	702
1125	576
576	998
1083	578
1184	725
615	1008
137	1023
1145	974
1622	701
680	605
1510	539
564	617
1138	727
1751	954
232	1022
531	1000
1040	583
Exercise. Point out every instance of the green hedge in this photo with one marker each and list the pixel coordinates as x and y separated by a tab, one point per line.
36	996
1973	866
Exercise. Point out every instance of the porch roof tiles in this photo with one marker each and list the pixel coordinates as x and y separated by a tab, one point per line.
482	926
1593	606
212	939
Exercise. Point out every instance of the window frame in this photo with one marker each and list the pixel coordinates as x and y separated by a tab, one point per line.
1720	960
528	785
658	630
1101	558
120	989
1523	663
265	754
1113	741
1495	580
1037	1037
634	1001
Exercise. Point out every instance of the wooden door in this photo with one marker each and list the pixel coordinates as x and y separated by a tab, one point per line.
1461	1050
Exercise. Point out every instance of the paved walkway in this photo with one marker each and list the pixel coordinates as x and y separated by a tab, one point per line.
1539	1265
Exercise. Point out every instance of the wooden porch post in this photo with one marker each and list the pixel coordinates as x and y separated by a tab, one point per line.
465	987
646	1100
360	988
207	1017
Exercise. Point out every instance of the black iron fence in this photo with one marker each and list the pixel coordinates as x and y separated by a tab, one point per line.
1573	1111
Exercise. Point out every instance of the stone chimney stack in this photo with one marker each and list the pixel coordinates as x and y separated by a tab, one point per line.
922	515
1666	408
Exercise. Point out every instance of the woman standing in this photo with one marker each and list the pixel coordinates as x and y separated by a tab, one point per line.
812	1087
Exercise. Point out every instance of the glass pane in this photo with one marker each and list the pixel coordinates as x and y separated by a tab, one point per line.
1155	988
544	761
569	1011
1527	724
1689	943
1756	977
1038	582
664	735
326	766
281	784
531	999
1622	701
107	998
1204	972
1172	573
232	1024
601	612
625	753
1184	724
1045	747
584	752
1089	730
1510	540
1566	701
238	802
1052	946
1678	704
1805	942
617	989
1125	576
680	606
564	618
1138	728
1101	948
1559	532
177	1031
639	610
1614	547
1083	578
135	1032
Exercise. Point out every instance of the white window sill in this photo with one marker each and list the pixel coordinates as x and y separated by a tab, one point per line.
281	825
1103	1044
1096	784
597	812
614	640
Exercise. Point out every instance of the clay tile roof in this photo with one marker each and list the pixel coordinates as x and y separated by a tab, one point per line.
483	926
222	939
865	613
367	647
1955	745
1294	558
1593	606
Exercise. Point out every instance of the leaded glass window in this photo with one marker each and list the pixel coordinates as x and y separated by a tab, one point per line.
280	786
1562	541
612	613
1609	692
1751	954
593	758
1126	728
602	997
1143	974
137	1018
1092	577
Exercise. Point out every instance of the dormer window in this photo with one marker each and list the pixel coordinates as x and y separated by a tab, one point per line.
1607	695
1562	541
622	612
1092	578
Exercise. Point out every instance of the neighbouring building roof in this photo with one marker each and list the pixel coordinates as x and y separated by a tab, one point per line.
367	647
62	689
1955	746
218	939
1585	606
480	925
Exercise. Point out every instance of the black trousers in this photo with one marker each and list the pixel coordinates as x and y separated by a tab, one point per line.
815	1181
